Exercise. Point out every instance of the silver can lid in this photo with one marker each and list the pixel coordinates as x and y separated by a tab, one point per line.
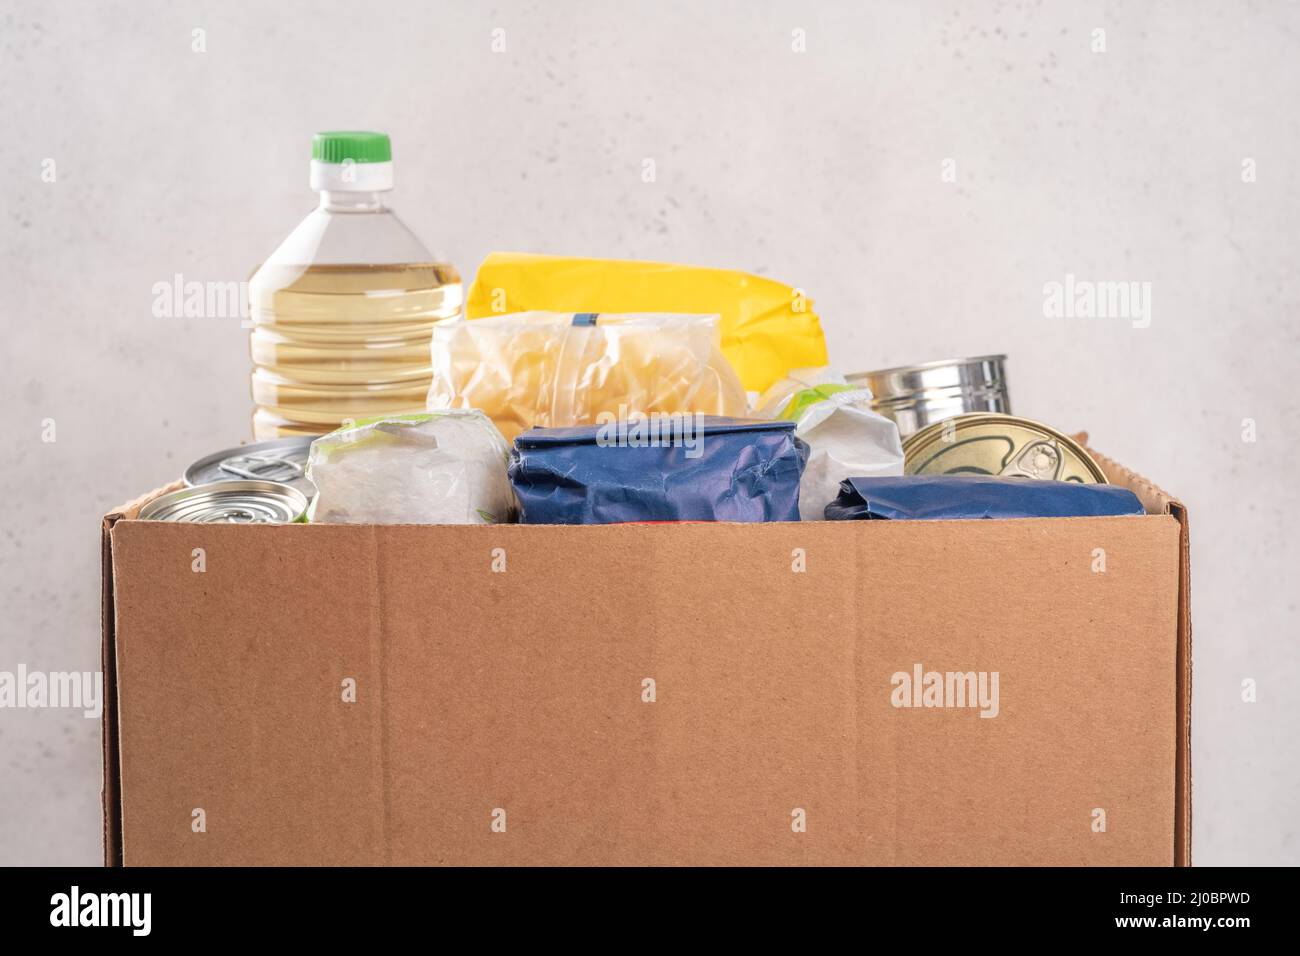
229	502
282	459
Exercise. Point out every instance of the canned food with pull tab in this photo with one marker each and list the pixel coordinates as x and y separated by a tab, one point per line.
1005	445
230	502
281	459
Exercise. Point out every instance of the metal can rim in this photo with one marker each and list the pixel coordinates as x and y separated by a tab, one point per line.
926	366
295	498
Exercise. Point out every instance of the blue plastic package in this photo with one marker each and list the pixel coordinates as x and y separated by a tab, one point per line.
930	497
679	467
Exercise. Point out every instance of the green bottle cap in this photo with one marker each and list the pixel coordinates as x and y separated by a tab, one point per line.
358	146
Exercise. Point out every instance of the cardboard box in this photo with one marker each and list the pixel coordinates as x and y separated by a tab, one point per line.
502	713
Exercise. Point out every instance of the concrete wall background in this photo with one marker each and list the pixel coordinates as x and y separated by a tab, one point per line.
820	168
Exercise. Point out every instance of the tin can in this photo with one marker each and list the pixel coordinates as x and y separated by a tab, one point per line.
999	445
229	502
283	459
915	396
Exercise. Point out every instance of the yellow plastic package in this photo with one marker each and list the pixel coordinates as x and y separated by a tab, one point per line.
555	369
767	328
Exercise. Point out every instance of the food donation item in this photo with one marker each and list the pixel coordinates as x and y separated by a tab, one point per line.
976	496
999	445
659	468
767	328
915	396
282	459
343	309
845	437
445	467
230	502
548	369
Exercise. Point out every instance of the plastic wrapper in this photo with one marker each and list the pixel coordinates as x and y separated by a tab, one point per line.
548	369
928	497
799	387
708	469
845	437
426	468
767	327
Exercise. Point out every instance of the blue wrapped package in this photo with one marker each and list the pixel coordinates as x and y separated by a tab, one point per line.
976	496
659	468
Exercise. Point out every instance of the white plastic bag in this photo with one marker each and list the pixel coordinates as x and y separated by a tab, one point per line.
845	437
446	467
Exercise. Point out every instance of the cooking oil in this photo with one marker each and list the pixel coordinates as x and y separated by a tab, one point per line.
338	342
343	310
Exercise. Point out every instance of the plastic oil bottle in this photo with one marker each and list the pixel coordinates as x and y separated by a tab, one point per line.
343	310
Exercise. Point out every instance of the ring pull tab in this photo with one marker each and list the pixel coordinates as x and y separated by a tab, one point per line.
264	467
1040	459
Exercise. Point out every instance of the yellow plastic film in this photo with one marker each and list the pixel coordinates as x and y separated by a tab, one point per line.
767	328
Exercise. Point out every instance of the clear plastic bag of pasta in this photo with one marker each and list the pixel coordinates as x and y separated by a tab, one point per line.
552	369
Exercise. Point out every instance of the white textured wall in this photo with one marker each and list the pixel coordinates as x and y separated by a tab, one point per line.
820	168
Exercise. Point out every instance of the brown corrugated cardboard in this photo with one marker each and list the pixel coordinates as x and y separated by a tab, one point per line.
1158	502
502	713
